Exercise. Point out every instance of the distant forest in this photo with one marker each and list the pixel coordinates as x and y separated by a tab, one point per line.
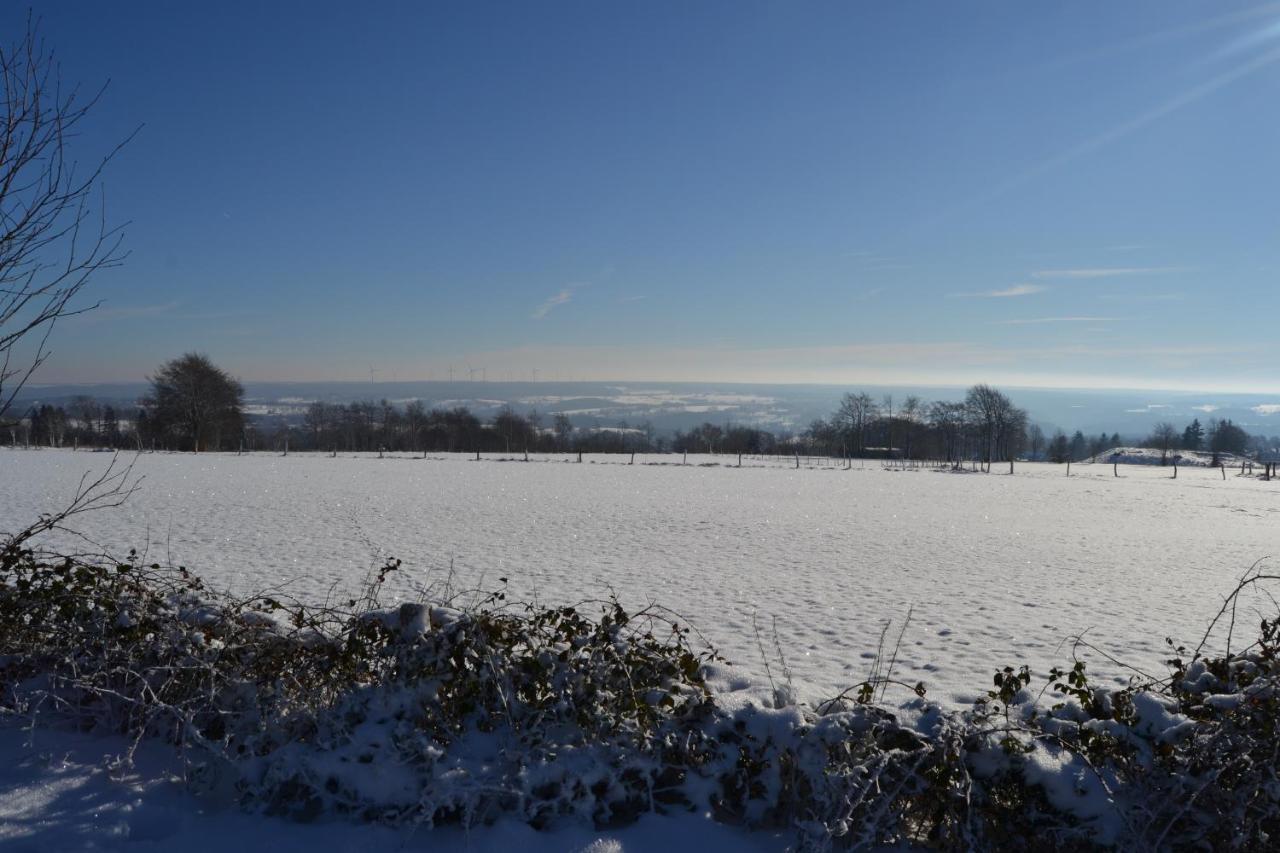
985	426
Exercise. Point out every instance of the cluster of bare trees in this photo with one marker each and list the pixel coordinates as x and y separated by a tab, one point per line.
709	438
985	426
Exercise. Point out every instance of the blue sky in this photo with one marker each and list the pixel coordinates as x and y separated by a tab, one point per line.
1043	194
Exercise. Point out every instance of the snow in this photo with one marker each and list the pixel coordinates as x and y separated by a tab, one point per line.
995	569
1154	456
58	793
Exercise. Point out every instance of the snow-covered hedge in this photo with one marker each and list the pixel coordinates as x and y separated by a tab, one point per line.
1154	456
431	714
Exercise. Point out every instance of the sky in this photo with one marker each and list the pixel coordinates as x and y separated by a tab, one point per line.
1034	194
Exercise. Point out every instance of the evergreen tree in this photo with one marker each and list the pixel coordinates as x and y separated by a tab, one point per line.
1193	436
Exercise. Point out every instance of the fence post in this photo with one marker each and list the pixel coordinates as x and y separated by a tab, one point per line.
1223	468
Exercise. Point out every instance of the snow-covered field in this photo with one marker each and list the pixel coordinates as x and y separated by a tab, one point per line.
995	569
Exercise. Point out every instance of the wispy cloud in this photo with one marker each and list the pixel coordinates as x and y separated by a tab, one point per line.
1207	408
1143	119
1034	321
170	311
1267	408
1142	297
1102	272
546	307
1008	292
107	313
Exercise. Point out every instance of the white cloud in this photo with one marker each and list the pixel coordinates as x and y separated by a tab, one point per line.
1102	272
1267	408
1207	408
1032	321
1016	290
545	308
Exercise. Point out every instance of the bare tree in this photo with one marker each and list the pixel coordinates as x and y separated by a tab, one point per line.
53	230
987	409
87	412
948	420
1164	437
910	412
1035	440
855	415
563	428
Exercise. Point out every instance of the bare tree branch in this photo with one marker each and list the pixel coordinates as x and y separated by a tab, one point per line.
53	227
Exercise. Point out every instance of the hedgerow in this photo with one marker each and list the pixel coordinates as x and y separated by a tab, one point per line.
431	713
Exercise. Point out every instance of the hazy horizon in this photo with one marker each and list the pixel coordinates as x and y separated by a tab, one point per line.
682	405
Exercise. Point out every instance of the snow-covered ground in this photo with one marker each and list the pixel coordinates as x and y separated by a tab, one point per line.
1153	456
58	793
995	569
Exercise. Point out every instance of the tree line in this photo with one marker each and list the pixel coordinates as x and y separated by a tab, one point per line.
985	426
1221	437
193	405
